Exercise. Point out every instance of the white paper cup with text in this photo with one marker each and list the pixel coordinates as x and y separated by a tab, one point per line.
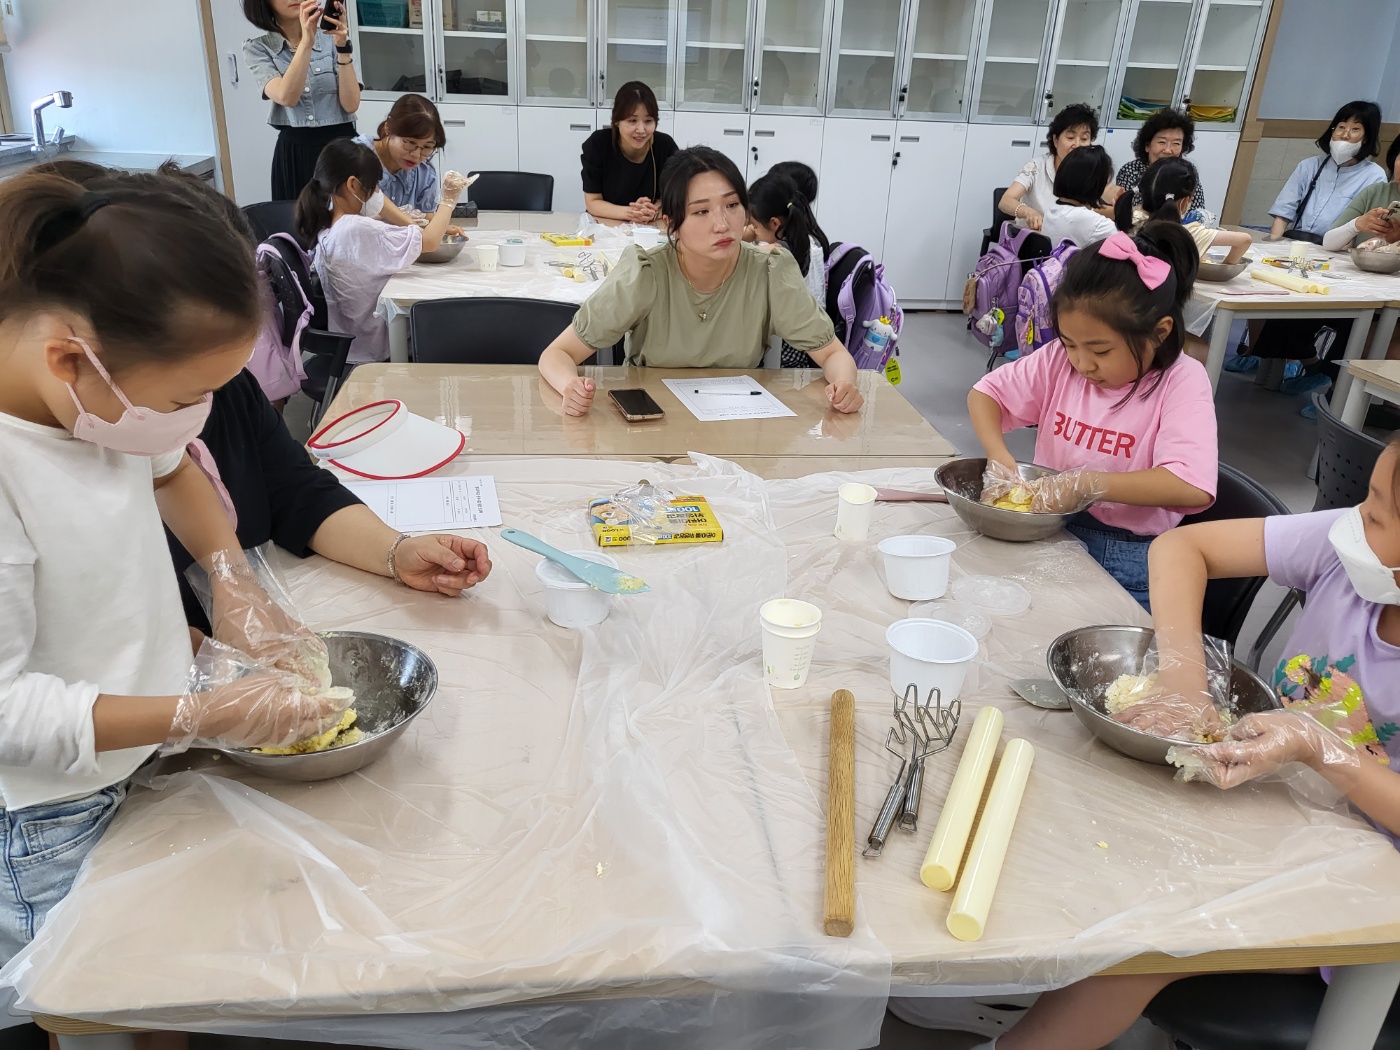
488	256
789	635
855	507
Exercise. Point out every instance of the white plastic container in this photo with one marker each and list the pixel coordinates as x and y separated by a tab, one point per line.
916	567
930	654
487	256
568	601
645	237
855	506
513	252
789	631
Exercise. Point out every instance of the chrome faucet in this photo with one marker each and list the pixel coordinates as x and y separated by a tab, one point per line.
61	99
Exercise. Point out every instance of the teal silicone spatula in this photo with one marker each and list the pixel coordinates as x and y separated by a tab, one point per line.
601	577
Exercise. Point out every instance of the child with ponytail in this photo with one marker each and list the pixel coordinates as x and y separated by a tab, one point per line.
1168	188
781	214
356	253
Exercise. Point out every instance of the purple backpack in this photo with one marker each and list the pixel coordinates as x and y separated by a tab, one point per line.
857	293
287	311
992	285
1033	324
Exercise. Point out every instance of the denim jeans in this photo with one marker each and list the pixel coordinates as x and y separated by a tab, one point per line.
41	848
1122	553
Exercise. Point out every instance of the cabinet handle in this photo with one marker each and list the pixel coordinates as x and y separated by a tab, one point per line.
232	67
755	87
879	138
760	134
903	92
733	131
1020	142
580	127
909	138
454	123
895	162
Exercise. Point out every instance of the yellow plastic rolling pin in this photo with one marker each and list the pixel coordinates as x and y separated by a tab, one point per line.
1291	281
968	918
945	849
839	905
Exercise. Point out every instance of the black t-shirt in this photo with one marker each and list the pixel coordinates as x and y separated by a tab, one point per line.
278	492
607	171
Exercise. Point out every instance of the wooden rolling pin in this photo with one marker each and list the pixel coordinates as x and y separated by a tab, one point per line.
968	918
945	849
839	906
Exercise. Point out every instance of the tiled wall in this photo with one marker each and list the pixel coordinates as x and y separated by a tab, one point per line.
1273	163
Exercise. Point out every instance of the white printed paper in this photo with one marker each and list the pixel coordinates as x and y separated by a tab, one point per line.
431	504
713	398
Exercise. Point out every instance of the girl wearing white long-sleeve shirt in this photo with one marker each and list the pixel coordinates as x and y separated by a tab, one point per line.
120	313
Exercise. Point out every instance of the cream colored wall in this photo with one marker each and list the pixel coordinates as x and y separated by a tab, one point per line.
1274	161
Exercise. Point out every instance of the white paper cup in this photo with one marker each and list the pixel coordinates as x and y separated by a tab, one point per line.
855	506
513	252
789	631
916	567
568	601
487	256
930	654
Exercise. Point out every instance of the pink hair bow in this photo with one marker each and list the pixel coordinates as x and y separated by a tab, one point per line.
1122	247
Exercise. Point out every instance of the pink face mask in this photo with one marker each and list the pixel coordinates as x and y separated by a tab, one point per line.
140	431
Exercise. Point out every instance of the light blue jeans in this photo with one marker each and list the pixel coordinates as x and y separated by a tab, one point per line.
42	848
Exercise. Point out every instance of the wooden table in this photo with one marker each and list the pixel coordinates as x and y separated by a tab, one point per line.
508	410
1369	379
1357	296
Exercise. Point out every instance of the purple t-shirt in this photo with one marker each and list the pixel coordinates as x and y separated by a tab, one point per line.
1334	665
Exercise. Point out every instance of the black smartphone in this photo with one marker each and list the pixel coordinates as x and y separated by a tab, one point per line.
327	26
635	405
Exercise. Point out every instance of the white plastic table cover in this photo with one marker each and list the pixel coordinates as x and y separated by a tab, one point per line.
611	836
462	277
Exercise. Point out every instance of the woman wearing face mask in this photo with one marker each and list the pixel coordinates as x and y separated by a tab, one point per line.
1338	679
702	299
356	254
1320	188
97	403
622	163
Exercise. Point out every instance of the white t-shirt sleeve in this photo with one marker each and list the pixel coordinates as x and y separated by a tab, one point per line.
45	722
1026	177
166	464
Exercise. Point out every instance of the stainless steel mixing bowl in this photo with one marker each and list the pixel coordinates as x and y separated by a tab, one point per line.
451	247
962	481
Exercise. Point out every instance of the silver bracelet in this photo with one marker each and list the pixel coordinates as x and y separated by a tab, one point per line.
393	549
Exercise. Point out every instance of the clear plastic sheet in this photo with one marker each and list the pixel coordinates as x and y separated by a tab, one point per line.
605	838
609	814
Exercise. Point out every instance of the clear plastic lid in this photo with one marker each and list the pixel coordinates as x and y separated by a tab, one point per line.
959	614
993	595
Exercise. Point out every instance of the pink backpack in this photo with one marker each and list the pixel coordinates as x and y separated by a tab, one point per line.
287	311
1034	327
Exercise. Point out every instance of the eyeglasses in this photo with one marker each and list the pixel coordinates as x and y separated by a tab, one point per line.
420	149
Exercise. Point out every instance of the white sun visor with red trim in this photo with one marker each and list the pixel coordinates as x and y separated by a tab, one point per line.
384	441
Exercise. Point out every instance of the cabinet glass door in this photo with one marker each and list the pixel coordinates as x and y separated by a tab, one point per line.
476	50
712	72
1085	41
940	41
637	42
391	46
1227	42
554	43
867	45
791	56
1156	50
1013	46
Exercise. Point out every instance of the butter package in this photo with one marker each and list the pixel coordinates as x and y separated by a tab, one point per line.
682	519
565	240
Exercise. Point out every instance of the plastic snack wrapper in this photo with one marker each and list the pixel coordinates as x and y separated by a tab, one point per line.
230	701
250	610
612	838
1265	743
643	507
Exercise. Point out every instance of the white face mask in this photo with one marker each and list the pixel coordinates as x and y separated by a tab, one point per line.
372	207
1372	581
1343	151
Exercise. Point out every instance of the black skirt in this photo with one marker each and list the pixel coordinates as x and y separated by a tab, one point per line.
294	157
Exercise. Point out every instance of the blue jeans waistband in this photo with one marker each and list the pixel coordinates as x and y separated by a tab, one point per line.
1086	521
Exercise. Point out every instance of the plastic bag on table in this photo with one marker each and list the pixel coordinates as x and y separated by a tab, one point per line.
250	610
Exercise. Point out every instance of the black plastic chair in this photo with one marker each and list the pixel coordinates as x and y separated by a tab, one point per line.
271	217
1249	1011
486	331
1345	459
1227	602
512	191
992	232
324	352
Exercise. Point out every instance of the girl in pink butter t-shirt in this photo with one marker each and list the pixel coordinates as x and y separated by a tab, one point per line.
1123	414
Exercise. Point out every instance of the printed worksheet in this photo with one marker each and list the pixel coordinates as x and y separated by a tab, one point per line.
712	398
431	504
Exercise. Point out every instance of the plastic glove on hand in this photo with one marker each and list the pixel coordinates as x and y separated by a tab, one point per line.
1068	492
246	617
1264	743
1173	715
999	481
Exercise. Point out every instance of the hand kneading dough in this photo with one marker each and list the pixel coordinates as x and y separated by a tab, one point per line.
341	734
